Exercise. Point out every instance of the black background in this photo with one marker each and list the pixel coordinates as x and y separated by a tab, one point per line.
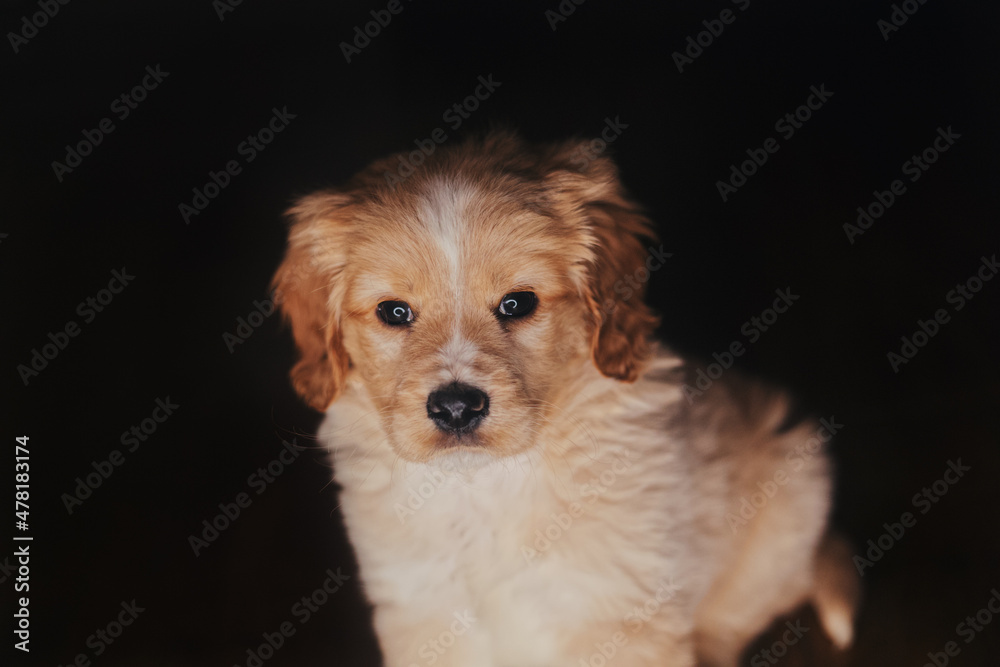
162	336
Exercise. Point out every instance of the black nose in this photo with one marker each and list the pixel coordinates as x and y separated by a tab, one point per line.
457	408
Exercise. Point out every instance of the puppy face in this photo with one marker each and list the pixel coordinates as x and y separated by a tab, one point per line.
463	299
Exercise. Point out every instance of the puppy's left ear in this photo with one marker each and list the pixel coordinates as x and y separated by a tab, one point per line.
617	271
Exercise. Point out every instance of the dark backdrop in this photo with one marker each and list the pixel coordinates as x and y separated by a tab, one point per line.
163	336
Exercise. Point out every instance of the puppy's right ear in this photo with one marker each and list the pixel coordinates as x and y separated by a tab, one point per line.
308	288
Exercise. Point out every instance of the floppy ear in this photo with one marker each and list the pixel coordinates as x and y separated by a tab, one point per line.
306	287
617	272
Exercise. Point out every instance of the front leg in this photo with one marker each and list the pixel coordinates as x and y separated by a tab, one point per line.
659	644
421	637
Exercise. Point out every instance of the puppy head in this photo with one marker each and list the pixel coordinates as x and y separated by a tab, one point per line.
461	299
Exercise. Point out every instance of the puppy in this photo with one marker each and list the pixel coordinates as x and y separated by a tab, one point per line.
523	479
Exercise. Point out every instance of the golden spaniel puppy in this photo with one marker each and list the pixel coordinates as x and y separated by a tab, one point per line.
524	480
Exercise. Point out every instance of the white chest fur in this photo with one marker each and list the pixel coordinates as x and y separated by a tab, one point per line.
524	546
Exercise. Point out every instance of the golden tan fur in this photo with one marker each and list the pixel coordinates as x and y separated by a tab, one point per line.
447	523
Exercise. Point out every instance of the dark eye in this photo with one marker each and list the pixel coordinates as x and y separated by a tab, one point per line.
394	313
517	304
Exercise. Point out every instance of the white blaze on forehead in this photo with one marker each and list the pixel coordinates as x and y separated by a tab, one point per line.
443	211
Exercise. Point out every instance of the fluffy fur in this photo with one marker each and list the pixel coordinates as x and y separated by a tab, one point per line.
590	513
